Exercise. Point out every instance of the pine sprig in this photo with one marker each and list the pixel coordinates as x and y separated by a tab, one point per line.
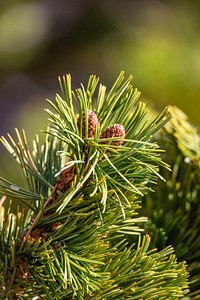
83	191
65	128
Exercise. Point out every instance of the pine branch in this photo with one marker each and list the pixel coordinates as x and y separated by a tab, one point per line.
174	219
83	189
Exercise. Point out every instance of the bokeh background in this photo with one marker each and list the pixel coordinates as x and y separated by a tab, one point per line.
156	41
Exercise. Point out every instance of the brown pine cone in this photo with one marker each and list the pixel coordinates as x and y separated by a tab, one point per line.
65	180
92	123
116	130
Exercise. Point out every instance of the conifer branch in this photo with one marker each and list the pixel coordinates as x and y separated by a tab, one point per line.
174	218
83	188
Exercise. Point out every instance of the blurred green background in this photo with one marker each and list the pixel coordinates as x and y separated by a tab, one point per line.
156	41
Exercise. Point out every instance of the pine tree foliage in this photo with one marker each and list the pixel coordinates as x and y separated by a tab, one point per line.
174	219
82	198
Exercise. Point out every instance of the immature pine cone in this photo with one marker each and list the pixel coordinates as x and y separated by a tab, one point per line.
92	123
66	177
116	130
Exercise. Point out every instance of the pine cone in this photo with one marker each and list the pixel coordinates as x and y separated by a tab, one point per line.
66	177
116	130
92	123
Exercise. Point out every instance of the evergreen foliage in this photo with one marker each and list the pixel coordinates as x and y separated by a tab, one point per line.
174	219
82	196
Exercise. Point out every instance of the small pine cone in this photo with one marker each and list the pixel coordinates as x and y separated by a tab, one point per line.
66	177
92	123
116	130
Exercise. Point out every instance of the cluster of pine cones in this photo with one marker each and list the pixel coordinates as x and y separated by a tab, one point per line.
115	130
67	175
